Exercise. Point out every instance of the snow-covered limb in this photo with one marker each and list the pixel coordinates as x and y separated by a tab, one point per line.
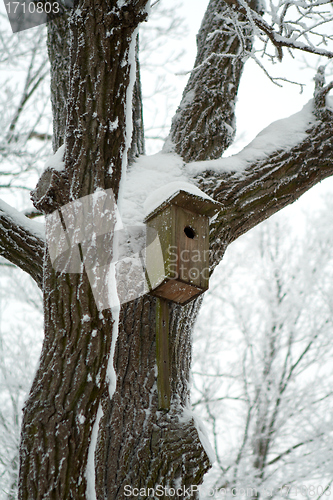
268	184
22	242
204	125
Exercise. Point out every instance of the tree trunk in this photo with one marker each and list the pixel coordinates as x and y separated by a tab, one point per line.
138	445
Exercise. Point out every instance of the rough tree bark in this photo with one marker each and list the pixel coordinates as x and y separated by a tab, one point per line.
137	444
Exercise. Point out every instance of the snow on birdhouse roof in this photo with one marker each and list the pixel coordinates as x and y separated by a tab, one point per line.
182	194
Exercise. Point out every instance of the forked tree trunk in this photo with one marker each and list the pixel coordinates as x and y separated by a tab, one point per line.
138	445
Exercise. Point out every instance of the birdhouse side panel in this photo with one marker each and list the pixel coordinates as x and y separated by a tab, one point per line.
158	250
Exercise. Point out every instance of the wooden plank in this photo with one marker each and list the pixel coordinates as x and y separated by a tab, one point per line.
177	291
162	353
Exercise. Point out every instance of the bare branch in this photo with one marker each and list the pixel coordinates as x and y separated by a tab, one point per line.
21	242
289	40
288	451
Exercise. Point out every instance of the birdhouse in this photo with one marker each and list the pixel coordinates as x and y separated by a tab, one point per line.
179	271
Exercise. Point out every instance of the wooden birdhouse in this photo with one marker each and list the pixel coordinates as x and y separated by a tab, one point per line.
179	270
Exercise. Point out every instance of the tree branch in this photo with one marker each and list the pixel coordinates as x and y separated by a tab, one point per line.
204	124
276	38
288	451
21	242
266	185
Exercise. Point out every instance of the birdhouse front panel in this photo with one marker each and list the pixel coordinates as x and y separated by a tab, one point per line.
184	241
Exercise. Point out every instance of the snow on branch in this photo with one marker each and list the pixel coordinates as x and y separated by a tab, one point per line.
297	136
280	135
268	183
22	241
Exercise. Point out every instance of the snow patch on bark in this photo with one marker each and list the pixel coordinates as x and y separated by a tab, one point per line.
128	110
56	161
187	415
114	125
35	228
111	379
115	305
90	469
278	136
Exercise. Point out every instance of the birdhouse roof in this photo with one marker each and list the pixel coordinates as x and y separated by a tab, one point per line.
183	195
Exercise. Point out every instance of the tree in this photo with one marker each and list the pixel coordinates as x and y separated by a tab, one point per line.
20	343
268	393
82	434
24	142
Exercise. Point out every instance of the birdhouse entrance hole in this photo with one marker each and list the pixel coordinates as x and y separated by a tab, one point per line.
189	231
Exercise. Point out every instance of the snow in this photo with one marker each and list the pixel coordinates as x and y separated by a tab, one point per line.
115	306
169	190
114	125
187	415
152	179
33	227
148	174
81	418
56	161
128	107
90	470
279	135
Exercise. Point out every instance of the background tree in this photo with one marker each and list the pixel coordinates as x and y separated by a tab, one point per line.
20	342
25	124
268	394
92	59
